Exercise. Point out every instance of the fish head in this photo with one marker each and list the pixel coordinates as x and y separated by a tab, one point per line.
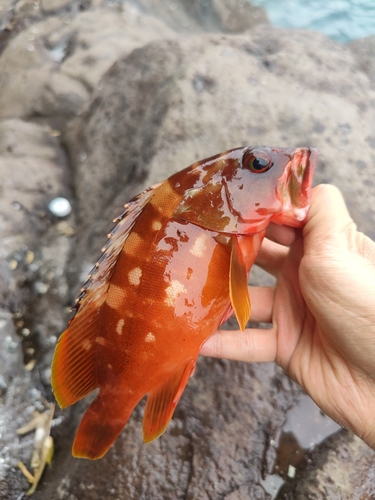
244	189
272	185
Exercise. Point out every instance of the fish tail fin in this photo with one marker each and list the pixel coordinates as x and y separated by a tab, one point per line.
101	424
162	402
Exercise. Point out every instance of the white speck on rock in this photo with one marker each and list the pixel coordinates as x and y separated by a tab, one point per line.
60	207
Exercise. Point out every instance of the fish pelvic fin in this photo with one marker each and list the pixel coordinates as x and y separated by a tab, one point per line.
162	402
238	291
102	423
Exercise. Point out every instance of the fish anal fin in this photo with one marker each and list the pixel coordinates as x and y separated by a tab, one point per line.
238	291
162	402
102	423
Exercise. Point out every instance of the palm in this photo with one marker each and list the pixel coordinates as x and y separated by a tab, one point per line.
322	313
330	367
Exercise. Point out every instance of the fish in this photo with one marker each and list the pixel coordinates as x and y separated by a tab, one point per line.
174	268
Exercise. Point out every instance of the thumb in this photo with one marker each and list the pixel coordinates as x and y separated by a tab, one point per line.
329	223
328	220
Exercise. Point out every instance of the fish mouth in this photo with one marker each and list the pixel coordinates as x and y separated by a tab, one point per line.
294	187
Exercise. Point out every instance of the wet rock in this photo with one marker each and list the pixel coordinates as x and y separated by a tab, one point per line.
195	16
18	398
174	102
158	109
50	68
27	68
33	289
161	108
227	410
26	9
33	171
31	174
340	467
364	50
98	38
55	5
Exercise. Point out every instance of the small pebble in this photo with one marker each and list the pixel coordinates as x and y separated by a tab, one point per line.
25	332
30	365
291	471
60	207
29	257
13	264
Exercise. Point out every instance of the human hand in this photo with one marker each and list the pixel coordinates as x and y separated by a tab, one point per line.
322	310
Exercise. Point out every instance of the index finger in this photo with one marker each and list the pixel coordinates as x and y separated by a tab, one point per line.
253	345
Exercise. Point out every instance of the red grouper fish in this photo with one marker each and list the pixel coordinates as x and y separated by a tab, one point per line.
174	269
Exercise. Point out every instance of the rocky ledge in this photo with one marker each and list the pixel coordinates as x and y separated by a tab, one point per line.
99	100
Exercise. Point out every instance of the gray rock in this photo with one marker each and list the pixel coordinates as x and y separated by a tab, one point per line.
31	175
33	255
158	109
171	105
341	467
213	448
364	52
50	68
187	16
161	108
19	397
55	5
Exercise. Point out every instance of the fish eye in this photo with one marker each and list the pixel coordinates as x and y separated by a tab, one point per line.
256	161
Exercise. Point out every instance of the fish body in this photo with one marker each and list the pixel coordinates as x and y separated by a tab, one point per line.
175	267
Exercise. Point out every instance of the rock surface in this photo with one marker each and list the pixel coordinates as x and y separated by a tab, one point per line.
161	106
364	50
323	475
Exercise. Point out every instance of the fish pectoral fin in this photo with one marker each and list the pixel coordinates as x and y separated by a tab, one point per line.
162	402
238	291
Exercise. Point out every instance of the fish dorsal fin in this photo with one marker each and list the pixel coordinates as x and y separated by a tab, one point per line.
162	402
238	291
74	363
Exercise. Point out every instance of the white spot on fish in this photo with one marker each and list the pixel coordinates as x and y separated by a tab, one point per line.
86	344
199	246
120	326
100	340
133	244
116	296
134	276
156	225
109	367
174	289
150	337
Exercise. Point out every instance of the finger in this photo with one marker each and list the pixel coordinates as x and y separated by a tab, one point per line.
319	229
252	345
271	256
285	235
261	303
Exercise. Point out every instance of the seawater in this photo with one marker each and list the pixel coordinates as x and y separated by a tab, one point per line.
342	20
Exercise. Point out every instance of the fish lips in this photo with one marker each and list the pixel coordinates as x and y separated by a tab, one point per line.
294	188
